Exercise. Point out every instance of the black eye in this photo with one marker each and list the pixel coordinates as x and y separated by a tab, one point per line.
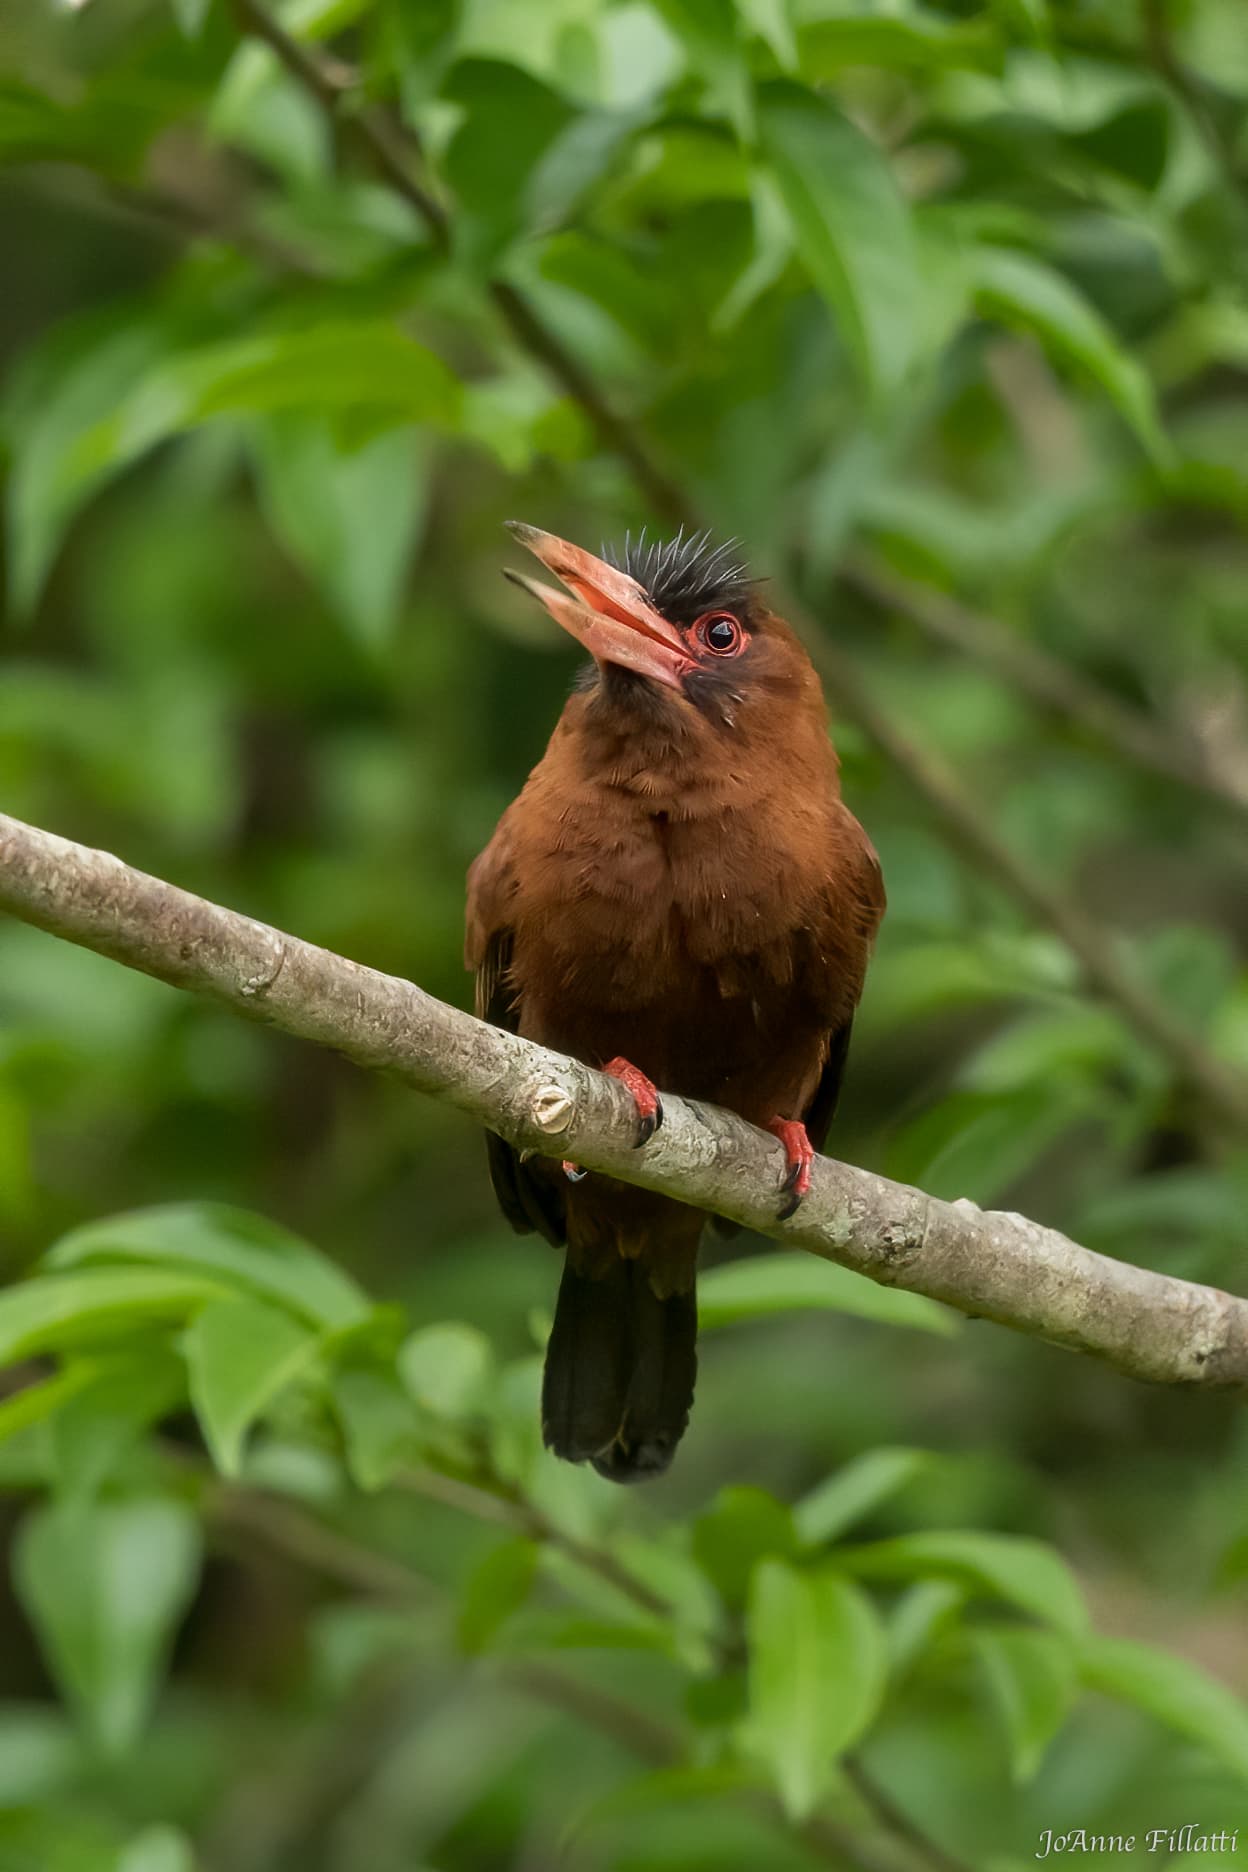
720	632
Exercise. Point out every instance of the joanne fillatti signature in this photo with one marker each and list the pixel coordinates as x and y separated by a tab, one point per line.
1186	1839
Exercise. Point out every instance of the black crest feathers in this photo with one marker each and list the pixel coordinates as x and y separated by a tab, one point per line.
687	575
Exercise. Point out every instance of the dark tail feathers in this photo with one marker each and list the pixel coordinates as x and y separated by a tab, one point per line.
620	1370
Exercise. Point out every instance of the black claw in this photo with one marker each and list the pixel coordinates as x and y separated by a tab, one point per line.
791	1176
791	1207
646	1127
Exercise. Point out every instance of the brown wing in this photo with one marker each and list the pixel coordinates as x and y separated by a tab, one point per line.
855	916
531	1204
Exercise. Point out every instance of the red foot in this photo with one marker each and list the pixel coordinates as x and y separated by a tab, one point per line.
645	1097
799	1155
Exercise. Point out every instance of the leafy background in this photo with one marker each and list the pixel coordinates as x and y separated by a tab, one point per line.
952	295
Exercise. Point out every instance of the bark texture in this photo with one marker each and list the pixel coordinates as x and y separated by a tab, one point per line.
985	1263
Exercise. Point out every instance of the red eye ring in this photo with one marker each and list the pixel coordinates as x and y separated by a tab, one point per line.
721	626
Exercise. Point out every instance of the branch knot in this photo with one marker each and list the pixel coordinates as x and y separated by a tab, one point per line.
553	1109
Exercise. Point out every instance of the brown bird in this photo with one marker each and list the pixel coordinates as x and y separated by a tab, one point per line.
680	897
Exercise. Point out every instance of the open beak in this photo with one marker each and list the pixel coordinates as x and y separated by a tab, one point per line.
609	612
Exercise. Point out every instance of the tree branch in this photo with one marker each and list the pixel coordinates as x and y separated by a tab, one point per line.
380	138
1002	1267
1221	1089
1222	1092
292	1531
1047	680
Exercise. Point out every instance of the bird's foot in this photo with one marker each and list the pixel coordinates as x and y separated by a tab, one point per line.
645	1097
799	1155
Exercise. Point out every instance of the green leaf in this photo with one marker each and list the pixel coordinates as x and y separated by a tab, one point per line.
772	251
979	1144
518	418
1134	142
1005	1566
851	227
99	1428
709	1785
772	22
1173	1691
190	15
157	1849
378	1424
853	1492
62	389
604	1614
1018	290
921	1615
262	110
817	1671
1031	1678
350	517
788	1283
913	40
608	276
574	164
1031	17
249	1251
707	29
448	1368
423	41
35	1402
670	1570
240	1354
718	1702
104	1586
497	1586
63	1311
576	1631
332	366
39	1754
740	1528
510	120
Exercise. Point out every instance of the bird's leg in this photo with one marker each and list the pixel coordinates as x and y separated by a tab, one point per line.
645	1096
799	1155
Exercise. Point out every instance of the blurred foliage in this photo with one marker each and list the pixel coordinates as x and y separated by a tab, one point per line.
963	285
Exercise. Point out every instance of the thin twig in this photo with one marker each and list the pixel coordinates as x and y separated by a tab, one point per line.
1223	1091
1045	679
826	1837
166	213
614	431
373	130
298	1535
896	1820
637	1732
492	1505
1003	1267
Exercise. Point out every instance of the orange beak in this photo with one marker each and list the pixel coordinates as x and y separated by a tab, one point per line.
609	612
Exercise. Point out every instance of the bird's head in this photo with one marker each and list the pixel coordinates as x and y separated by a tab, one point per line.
679	635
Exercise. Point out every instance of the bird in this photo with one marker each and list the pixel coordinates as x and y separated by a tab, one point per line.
678	896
